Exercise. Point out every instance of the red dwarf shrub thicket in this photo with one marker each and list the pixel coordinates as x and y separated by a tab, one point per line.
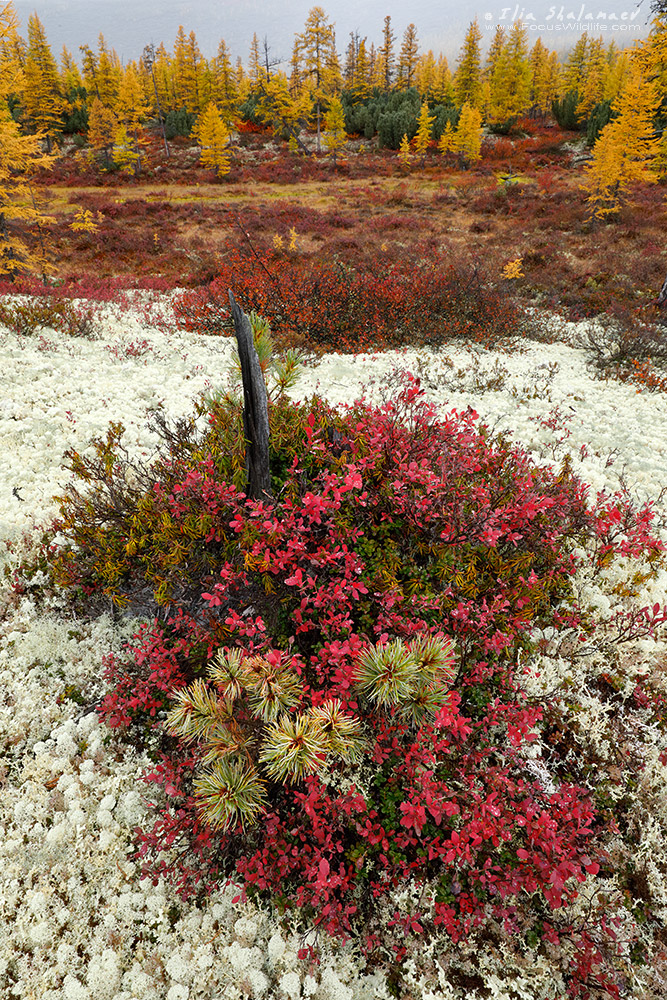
422	296
387	524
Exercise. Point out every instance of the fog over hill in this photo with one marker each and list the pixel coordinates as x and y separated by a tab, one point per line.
128	26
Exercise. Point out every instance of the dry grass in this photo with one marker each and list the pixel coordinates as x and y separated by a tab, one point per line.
567	262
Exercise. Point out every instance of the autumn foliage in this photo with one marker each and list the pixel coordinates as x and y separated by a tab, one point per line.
626	150
393	528
426	296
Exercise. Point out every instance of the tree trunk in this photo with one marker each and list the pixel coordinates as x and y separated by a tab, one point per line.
662	296
160	116
255	408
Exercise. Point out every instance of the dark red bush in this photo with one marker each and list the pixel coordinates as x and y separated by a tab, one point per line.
388	522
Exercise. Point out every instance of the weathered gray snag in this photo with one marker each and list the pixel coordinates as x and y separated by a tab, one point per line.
662	297
255	408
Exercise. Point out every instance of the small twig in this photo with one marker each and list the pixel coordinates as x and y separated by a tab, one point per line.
257	257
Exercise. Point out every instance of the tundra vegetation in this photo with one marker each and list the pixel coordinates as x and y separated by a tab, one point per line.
375	697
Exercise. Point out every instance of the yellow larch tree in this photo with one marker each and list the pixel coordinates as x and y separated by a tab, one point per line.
446	142
213	137
651	55
386	61
350	60
160	67
43	102
22	244
84	222
376	68
283	110
10	38
545	78
468	135
256	74
73	91
131	105
510	82
513	269
539	61
102	126
468	75
574	72
70	76
89	70
151	88
596	73
131	110
295	67
101	71
404	152
424	132
620	67
318	62
125	154
361	77
443	88
493	55
144	73
188	66
433	79
408	59
225	88
425	74
626	150
108	72
334	124
241	79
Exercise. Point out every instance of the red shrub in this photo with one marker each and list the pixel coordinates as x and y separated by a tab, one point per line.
385	522
421	296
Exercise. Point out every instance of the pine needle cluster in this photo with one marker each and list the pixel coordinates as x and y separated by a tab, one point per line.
412	677
281	370
246	721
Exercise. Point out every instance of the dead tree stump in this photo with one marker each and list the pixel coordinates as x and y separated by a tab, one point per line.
255	408
662	296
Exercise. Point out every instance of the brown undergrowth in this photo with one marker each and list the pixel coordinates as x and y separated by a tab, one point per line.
522	200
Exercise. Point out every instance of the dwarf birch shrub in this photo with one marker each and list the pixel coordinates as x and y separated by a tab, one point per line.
332	683
26	316
424	295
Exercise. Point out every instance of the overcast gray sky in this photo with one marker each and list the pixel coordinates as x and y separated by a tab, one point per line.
129	25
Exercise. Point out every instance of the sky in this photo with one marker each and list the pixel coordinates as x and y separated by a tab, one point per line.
129	25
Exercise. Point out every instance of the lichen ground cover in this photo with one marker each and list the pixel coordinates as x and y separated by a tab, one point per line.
76	922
